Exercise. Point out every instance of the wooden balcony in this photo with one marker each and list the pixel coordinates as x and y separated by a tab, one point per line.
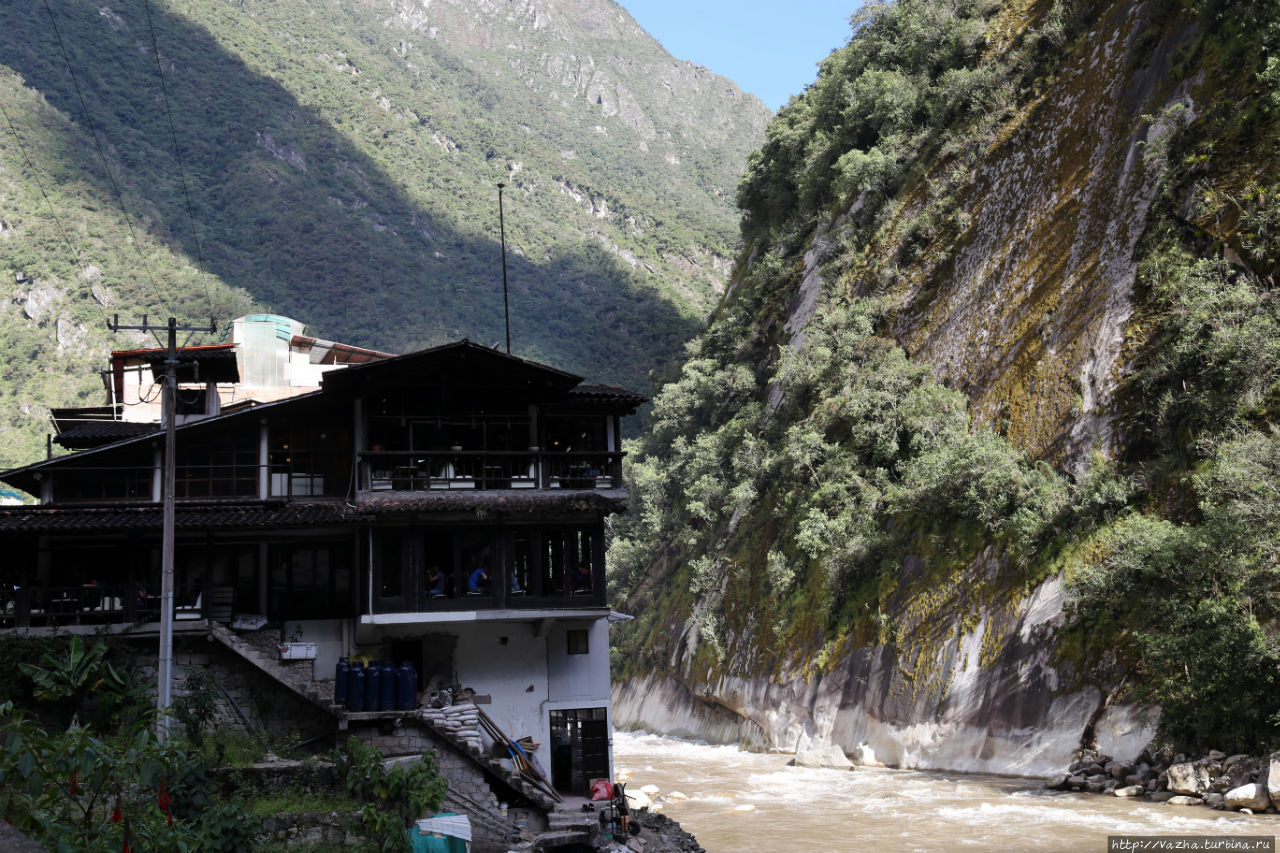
489	470
69	607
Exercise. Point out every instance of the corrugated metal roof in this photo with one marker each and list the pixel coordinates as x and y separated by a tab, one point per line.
284	325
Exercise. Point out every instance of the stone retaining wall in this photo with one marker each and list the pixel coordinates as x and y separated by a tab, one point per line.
463	774
338	829
267	703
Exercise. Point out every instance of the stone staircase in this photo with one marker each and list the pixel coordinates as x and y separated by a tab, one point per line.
569	817
260	650
296	675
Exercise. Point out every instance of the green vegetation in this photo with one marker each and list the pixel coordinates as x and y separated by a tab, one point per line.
341	162
393	798
105	783
797	497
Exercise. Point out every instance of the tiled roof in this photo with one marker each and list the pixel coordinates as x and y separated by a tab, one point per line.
506	500
258	514
188	516
610	393
94	433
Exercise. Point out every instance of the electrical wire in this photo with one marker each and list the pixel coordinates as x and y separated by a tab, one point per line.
177	153
35	175
105	164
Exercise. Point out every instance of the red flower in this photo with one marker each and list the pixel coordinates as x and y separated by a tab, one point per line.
75	789
164	800
117	816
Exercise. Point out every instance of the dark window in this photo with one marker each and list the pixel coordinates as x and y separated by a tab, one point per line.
310	581
391	560
577	641
216	468
309	455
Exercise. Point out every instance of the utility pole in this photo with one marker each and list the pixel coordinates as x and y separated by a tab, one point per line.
169	408
502	227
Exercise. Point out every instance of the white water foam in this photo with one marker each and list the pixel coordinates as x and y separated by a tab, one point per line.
741	801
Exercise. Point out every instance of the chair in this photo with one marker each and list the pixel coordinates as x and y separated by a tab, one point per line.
221	603
189	613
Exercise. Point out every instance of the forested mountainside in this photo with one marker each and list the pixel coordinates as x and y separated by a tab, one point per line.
976	463
339	163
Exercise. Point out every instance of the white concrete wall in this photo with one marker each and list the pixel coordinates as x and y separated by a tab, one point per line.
328	637
300	373
578	678
514	673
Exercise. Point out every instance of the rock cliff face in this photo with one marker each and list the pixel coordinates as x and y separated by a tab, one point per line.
1024	300
1028	315
1005	715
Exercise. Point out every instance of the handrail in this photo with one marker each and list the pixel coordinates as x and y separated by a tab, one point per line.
404	470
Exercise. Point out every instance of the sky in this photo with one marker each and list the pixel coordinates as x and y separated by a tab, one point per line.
770	48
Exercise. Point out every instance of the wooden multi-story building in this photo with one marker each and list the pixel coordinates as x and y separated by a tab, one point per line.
445	507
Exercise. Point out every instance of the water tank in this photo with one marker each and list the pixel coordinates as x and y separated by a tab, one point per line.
340	682
387	695
355	689
373	687
406	687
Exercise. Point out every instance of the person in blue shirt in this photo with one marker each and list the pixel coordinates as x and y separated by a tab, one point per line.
478	582
435	582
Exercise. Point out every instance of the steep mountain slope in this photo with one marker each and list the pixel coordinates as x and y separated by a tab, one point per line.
972	463
340	162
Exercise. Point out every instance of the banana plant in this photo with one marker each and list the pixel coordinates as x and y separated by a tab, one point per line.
74	676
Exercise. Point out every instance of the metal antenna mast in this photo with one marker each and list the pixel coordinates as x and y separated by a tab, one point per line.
506	305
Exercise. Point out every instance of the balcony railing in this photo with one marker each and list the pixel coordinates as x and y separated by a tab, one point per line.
93	604
480	469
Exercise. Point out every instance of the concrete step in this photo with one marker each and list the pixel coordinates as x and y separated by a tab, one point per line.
557	820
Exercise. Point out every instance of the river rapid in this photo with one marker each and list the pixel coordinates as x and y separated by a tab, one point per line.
741	801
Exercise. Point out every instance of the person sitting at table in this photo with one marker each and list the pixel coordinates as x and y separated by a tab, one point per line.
582	578
90	595
478	582
435	582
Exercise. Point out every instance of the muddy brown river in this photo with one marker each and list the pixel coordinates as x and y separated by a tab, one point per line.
738	801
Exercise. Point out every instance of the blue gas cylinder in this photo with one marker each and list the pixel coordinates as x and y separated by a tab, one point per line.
406	687
373	687
355	689
340	682
387	695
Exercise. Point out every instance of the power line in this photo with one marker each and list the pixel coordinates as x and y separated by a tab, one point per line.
177	153
133	236
35	175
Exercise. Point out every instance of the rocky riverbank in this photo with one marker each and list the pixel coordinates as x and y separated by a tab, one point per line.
1243	783
661	834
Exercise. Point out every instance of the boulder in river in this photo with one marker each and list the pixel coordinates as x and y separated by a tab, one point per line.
1273	779
1188	778
638	800
864	756
1058	782
1253	796
1130	791
1183	800
820	755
